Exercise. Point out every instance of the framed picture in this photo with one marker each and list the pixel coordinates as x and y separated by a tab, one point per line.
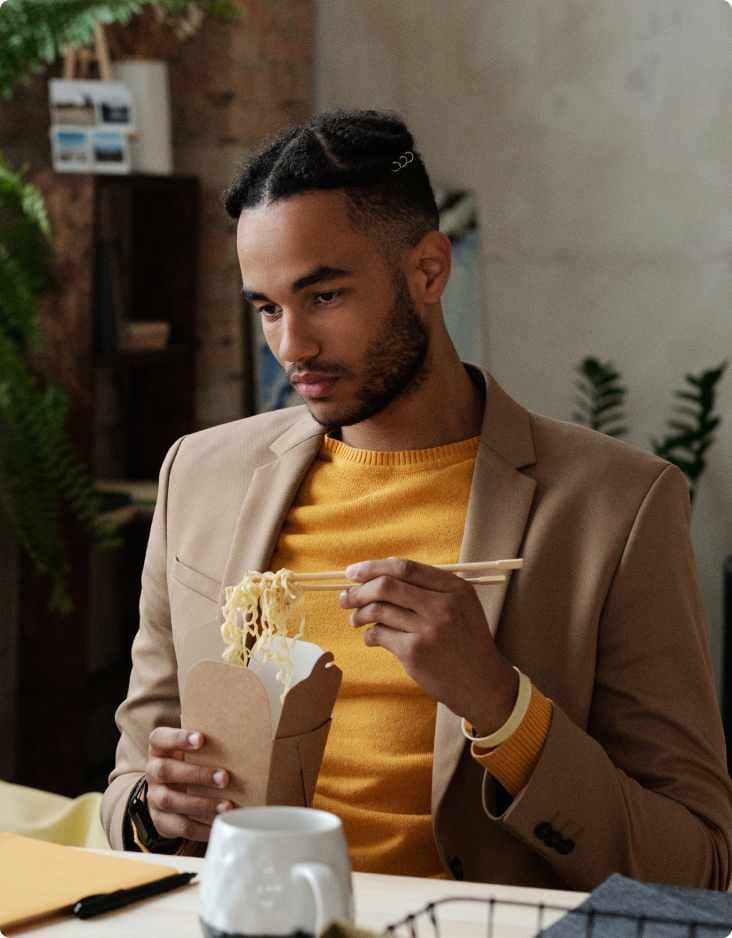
461	303
91	103
71	150
90	126
111	151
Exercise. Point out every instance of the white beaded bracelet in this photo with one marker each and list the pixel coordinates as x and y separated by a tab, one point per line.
512	723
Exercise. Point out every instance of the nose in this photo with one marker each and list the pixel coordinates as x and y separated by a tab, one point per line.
295	340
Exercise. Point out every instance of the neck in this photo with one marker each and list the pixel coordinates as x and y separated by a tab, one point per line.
445	407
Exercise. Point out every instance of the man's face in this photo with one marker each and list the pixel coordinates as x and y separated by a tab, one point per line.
352	342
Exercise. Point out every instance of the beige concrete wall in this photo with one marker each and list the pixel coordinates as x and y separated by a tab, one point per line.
598	139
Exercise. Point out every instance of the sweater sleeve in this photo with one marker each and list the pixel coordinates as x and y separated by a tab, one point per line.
512	762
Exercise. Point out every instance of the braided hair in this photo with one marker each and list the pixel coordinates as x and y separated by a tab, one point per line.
353	150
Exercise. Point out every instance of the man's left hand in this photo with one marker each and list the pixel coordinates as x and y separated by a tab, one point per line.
433	622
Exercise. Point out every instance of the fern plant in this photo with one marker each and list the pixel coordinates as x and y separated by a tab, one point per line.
41	476
34	33
601	397
692	426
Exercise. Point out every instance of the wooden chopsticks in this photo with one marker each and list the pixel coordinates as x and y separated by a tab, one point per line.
480	569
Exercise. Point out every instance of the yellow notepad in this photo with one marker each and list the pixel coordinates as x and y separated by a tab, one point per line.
39	878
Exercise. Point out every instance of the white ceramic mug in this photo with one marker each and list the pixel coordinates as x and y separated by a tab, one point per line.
275	870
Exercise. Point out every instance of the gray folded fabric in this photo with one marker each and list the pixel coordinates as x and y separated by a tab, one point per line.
685	913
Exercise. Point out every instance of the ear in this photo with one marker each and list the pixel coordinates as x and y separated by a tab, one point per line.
432	259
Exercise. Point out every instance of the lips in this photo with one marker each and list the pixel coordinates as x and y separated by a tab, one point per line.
313	386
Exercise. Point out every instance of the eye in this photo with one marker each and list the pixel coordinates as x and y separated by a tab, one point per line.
271	312
333	293
266	311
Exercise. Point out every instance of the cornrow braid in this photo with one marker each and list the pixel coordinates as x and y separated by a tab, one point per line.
353	150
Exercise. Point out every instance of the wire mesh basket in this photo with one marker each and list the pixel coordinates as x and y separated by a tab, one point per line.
496	918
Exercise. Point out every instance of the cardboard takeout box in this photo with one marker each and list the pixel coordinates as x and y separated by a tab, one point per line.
273	751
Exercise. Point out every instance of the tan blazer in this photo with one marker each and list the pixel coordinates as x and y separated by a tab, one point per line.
606	619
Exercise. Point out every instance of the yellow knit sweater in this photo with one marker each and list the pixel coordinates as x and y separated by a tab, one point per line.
357	504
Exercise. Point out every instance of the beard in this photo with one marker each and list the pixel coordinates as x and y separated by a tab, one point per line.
396	363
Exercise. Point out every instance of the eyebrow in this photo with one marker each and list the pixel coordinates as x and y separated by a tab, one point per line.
318	275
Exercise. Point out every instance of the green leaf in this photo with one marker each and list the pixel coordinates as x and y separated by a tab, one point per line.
34	33
41	476
687	395
616	431
600	396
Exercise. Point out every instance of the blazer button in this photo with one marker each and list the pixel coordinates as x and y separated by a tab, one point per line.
543	831
456	867
565	846
554	840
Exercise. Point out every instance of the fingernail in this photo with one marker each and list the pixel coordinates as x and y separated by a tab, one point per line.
219	778
353	570
343	598
194	739
223	806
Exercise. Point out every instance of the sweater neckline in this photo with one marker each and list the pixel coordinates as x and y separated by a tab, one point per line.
337	451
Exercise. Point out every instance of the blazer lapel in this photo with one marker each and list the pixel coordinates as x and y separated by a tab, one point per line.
270	493
498	511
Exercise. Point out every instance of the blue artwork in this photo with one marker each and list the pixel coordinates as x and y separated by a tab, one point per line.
460	302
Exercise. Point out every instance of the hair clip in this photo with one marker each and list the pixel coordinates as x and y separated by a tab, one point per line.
404	160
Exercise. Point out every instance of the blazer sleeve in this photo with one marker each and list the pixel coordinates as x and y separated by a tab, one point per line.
644	789
153	698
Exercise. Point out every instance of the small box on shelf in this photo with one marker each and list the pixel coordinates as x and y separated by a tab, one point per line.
143	335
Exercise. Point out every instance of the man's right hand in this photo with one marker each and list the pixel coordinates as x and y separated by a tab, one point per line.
175	813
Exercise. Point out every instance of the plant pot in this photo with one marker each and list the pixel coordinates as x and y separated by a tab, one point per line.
151	151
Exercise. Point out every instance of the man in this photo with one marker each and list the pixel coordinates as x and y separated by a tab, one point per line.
584	687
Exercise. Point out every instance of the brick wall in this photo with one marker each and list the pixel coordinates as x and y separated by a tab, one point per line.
231	84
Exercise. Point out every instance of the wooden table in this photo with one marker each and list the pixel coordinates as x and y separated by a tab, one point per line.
379	900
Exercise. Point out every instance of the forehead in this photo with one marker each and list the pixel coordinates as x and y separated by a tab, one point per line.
307	229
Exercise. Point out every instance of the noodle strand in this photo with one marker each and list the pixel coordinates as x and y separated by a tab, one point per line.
269	608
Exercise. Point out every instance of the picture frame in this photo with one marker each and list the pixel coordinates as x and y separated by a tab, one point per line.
91	124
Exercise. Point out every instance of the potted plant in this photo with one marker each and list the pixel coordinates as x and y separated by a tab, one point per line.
690	430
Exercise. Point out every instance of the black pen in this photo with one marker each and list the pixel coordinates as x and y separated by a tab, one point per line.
107	901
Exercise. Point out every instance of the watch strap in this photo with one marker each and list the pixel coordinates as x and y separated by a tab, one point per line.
143	830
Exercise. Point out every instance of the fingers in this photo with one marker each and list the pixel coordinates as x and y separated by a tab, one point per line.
161	770
386	614
174	812
408	571
398	643
164	740
166	800
178	825
385	600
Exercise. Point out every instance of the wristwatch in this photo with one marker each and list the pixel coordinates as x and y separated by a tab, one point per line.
143	829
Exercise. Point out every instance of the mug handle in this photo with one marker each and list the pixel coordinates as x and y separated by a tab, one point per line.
326	890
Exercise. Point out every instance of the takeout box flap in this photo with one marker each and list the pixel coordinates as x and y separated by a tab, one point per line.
296	762
309	703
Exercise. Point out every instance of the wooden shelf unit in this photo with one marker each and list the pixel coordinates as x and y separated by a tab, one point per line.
126	409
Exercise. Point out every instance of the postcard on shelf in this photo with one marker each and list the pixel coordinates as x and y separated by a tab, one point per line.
273	750
107	105
91	123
